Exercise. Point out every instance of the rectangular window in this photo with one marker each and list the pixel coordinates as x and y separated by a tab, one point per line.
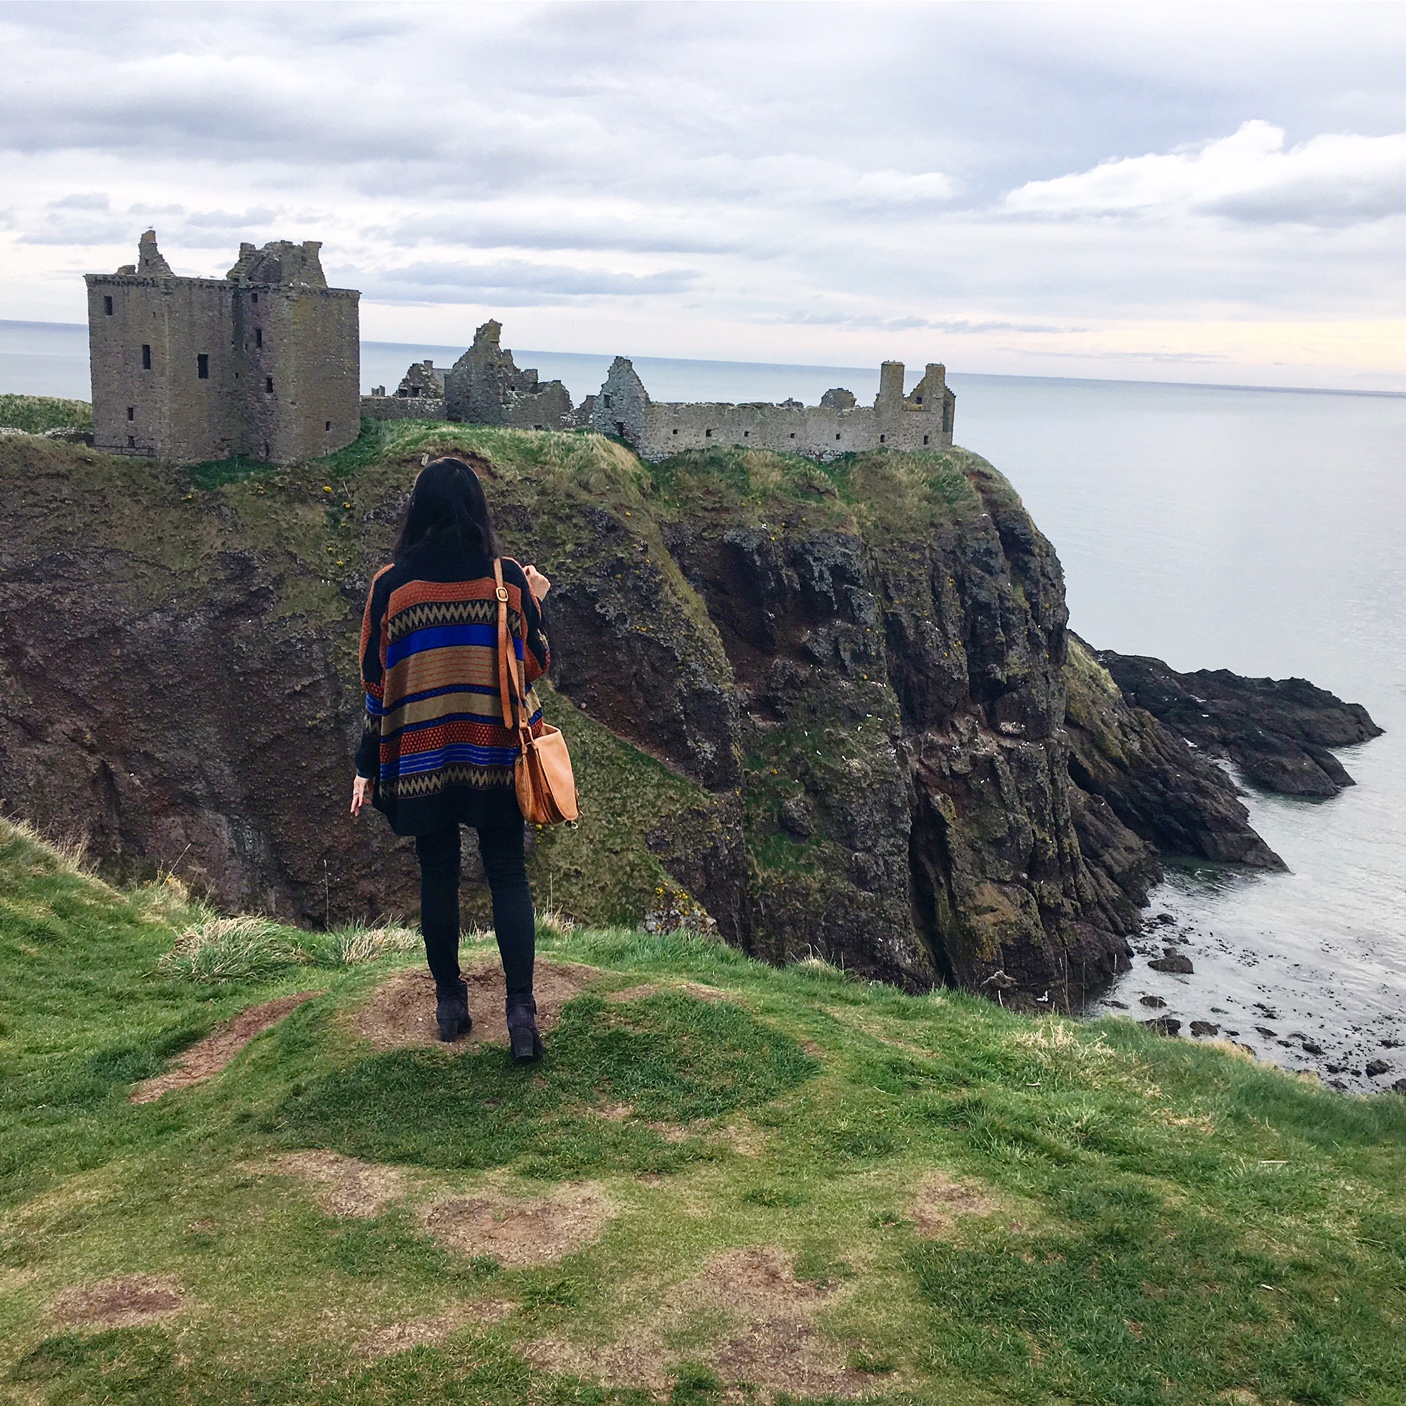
258	336
674	432
131	441
255	297
107	306
202	365
882	438
146	356
606	398
268	384
131	412
327	425
746	434
837	436
925	439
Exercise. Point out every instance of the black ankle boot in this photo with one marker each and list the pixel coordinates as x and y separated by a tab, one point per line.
524	1039
452	1011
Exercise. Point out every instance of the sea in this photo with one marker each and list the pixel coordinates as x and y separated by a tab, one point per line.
1259	530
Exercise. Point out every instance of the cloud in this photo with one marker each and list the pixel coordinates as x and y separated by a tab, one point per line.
517	282
1251	176
93	201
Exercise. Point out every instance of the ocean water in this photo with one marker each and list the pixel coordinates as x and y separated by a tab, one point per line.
1255	530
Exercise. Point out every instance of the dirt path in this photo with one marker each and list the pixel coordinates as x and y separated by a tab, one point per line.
207	1056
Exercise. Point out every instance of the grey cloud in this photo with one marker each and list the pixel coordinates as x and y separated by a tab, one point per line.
568	231
516	283
94	201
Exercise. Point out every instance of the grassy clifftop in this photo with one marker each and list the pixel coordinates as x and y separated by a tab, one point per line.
726	1182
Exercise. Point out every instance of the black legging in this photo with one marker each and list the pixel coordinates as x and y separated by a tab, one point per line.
500	845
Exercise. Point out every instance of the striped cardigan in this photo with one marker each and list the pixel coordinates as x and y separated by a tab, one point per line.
433	730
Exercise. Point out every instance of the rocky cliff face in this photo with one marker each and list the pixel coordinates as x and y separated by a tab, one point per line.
837	707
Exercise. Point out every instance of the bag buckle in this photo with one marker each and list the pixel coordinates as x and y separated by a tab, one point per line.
501	593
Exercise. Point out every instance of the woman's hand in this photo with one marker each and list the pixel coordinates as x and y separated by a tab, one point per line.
536	582
361	794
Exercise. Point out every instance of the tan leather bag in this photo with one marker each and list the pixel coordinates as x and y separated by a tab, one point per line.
546	788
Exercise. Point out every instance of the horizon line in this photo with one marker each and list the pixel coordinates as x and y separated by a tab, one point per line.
825	366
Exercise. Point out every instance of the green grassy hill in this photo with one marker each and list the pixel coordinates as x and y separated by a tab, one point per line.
726	1182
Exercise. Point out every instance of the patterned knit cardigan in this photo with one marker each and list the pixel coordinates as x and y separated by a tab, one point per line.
429	663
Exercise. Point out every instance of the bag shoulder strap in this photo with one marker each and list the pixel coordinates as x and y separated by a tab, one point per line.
510	690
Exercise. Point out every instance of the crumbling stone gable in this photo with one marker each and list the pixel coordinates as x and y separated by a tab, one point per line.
264	363
485	387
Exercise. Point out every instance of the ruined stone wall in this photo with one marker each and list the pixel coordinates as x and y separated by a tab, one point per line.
395	407
485	387
920	420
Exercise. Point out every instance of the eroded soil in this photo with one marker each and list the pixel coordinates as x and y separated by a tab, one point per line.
400	1012
124	1301
209	1055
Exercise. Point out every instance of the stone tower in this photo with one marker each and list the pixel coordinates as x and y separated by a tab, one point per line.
265	362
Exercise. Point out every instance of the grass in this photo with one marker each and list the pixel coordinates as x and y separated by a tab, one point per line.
1143	1223
37	413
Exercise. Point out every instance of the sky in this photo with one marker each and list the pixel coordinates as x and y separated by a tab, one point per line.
1183	192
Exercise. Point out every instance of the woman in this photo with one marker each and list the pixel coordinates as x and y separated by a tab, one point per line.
435	753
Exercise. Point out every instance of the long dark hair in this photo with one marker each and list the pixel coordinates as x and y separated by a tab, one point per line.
446	506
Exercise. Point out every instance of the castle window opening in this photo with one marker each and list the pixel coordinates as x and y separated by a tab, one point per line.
837	436
793	434
537	427
131	412
925	439
883	439
268	384
258	336
746	434
327	425
254	297
107	305
918	399
131	441
202	365
707	434
607	401
673	432
146	356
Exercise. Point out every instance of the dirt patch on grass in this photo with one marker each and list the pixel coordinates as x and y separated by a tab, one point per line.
207	1056
939	1201
520	1232
637	1364
400	1011
402	1337
120	1302
766	1340
343	1185
779	1348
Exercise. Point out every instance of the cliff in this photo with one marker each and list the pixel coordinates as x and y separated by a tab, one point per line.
836	706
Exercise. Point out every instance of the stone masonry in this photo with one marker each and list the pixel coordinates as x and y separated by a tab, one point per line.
922	419
265	362
485	387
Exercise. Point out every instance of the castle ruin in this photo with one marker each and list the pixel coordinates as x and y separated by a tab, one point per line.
922	419
485	387
265	362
